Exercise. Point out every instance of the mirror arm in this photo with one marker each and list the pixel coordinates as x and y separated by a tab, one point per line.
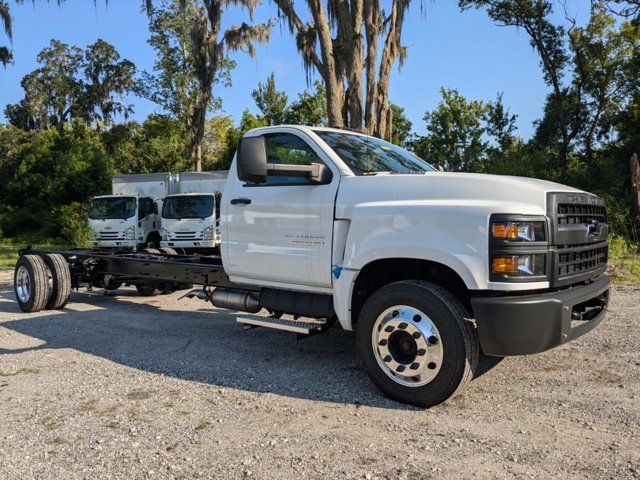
288	170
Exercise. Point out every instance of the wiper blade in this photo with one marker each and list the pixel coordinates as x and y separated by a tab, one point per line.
376	172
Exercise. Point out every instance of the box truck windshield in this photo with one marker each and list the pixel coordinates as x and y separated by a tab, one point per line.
112	208
188	206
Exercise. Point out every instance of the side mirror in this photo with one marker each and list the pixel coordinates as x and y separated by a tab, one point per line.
253	167
252	159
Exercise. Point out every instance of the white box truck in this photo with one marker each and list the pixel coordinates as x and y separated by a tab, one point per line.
322	226
129	218
191	217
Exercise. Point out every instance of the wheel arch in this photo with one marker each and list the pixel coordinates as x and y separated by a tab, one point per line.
379	273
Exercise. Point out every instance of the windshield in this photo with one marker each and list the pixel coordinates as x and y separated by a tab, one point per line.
368	155
188	206
112	208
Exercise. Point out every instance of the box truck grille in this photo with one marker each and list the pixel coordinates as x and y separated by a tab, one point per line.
184	236
109	235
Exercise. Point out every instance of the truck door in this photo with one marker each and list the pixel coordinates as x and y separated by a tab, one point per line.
146	218
281	231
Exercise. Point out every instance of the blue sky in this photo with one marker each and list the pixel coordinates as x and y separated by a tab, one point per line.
446	48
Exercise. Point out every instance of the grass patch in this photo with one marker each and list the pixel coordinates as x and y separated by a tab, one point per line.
9	252
49	423
18	372
57	441
608	376
624	261
202	426
140	394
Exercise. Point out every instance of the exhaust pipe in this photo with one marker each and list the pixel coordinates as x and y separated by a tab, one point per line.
236	300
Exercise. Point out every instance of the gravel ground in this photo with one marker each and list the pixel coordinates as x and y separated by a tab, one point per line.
126	387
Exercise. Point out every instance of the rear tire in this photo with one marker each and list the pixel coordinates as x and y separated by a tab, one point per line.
154	251
416	342
61	280
168	251
147	290
31	283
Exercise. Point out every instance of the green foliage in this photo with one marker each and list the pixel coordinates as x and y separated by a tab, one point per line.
271	102
73	84
401	126
247	122
310	108
51	171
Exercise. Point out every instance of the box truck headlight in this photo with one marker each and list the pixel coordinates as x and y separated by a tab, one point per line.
164	234
208	233
130	233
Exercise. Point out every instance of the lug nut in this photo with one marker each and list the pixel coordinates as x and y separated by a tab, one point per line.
382	342
433	340
400	368
421	352
389	329
417	318
431	366
387	358
414	366
416	335
403	325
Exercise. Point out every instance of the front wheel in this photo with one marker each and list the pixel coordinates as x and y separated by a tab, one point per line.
416	342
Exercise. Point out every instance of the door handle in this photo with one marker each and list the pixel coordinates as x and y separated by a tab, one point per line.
240	201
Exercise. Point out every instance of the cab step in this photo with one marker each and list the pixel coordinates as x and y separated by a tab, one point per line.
297	326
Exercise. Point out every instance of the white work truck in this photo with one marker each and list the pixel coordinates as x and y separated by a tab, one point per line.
191	218
323	225
129	218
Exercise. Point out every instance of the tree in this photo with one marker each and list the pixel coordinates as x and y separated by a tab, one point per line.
173	84
271	102
341	44
548	40
216	138
247	122
310	108
107	80
455	132
73	84
210	44
400	125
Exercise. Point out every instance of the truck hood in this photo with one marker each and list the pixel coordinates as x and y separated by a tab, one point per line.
502	194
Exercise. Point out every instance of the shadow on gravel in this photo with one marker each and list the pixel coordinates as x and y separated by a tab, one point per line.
206	346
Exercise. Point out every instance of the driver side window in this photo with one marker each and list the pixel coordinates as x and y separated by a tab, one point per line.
286	148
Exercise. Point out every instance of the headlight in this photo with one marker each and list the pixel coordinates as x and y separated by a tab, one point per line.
165	234
518	248
207	234
528	265
130	233
518	231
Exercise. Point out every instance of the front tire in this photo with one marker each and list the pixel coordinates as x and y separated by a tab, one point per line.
416	342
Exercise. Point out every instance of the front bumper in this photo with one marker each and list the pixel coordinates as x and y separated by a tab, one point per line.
188	243
525	324
114	243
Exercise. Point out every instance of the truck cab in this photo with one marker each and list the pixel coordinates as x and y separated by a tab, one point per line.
129	218
191	217
120	221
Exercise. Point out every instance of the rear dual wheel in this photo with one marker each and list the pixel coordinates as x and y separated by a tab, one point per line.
42	282
416	342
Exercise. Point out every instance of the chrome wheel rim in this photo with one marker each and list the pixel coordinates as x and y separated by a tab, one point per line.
407	346
23	284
